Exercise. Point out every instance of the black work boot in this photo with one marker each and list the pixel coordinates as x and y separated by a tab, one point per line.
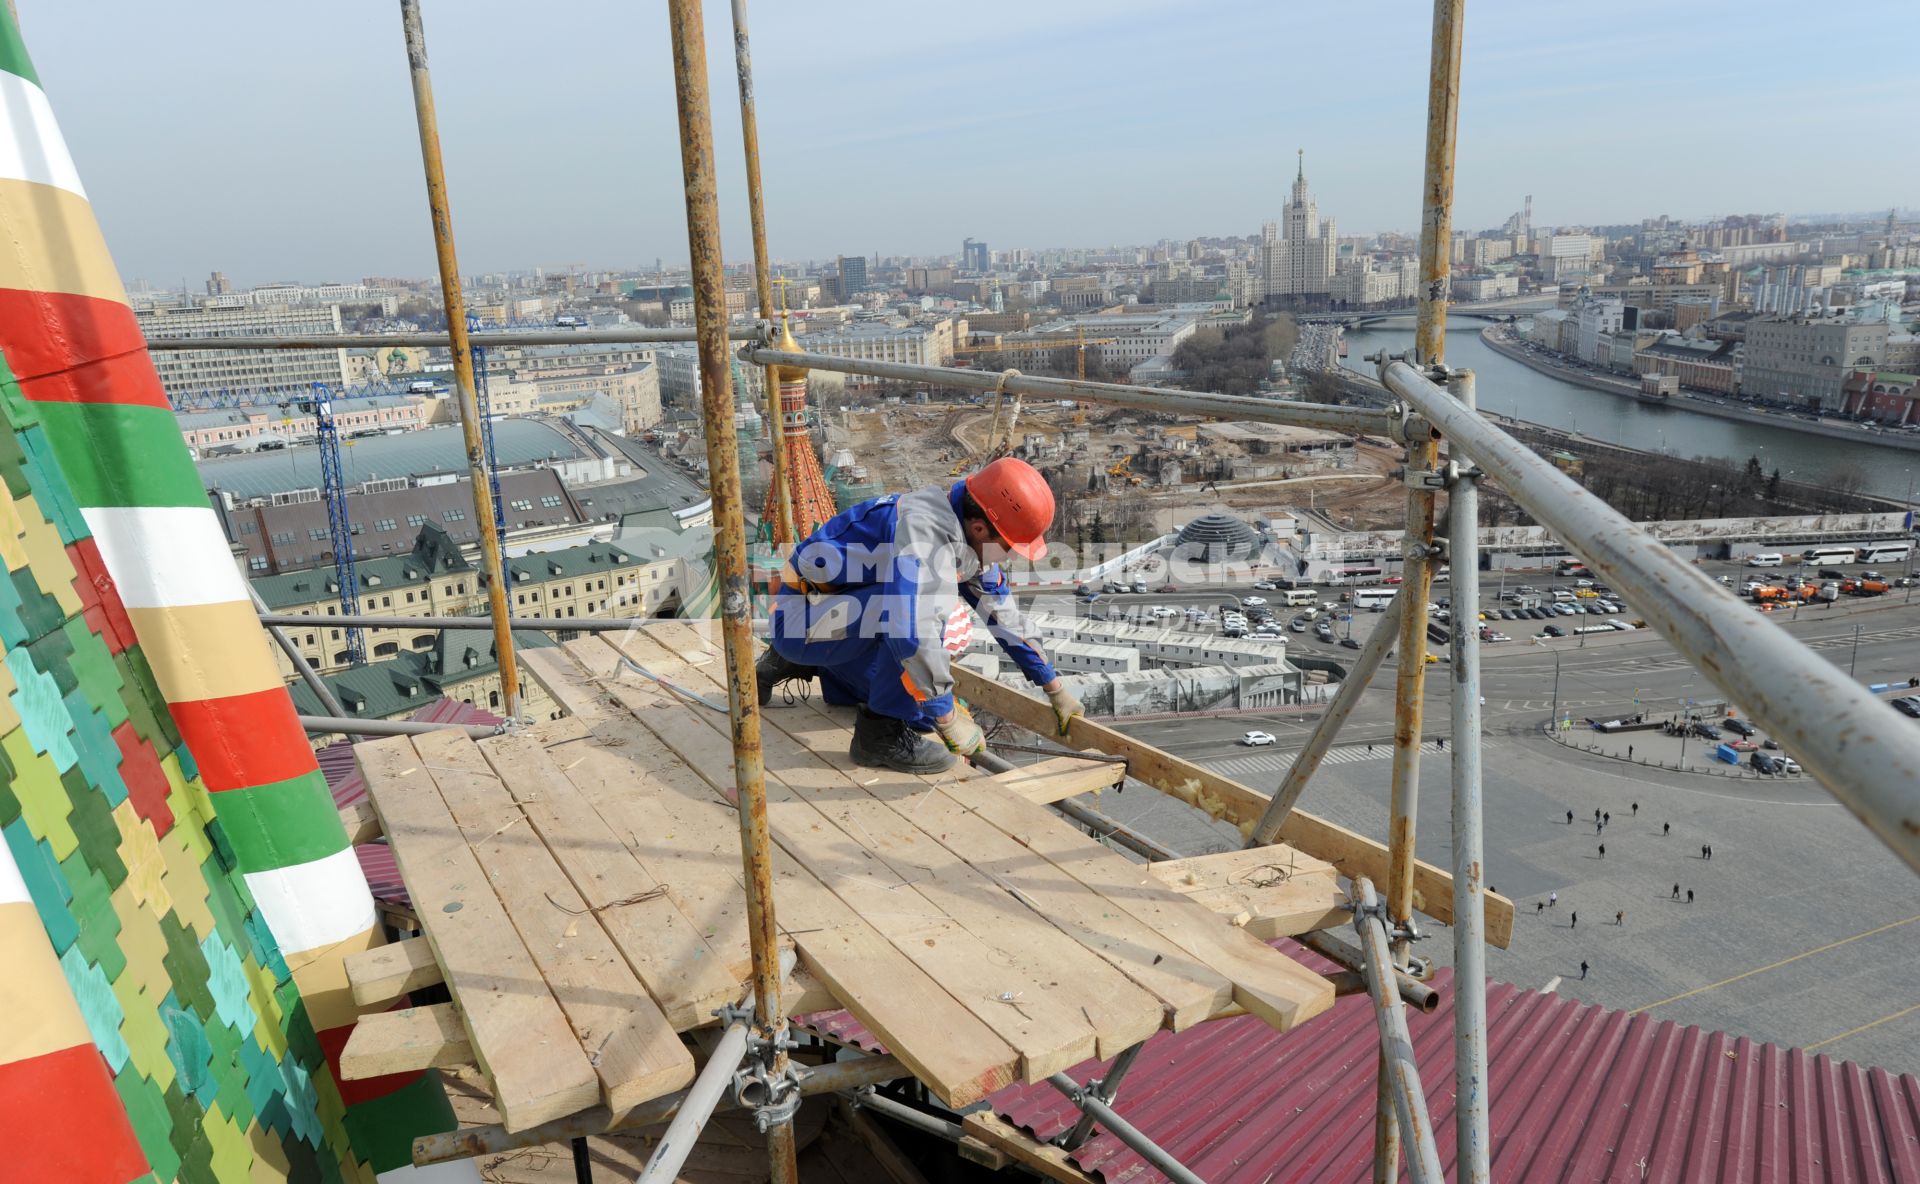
880	742
770	670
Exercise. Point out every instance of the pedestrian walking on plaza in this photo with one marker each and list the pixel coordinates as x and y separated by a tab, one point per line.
1573	920
1629	752
1620	918
1636	809
1583	969
1539	907
1596	826
1703	850
1676	892
1569	817
1666	828
1596	815
1603	850
1709	850
1553	898
1606	819
1689	896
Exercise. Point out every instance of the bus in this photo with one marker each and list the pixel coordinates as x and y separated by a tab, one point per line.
1893	551
1295	597
1373	598
1828	555
1355	577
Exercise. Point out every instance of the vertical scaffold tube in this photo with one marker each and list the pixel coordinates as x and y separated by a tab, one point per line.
455	303
1399	1069
783	526
1469	874
729	537
1436	187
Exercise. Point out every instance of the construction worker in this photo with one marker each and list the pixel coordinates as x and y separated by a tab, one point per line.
872	603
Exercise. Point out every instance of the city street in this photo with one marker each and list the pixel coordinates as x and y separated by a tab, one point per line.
1799	930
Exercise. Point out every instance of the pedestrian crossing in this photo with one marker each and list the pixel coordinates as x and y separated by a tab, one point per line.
1280	762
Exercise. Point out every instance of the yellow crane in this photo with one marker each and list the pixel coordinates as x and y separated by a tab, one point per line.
1078	344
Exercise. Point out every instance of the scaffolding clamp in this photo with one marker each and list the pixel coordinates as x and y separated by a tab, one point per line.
772	1097
1455	473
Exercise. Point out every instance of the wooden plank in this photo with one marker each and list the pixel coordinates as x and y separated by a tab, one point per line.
1054	1163
683	973
958	1056
1268	891
1224	798
1060	777
521	1040
929	903
387	972
939	859
407	1040
363	826
1265	982
636	1053
685	834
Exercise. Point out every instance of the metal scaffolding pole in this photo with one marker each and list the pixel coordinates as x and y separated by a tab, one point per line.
1344	701
1797	696
633	335
1436	185
301	666
1430	339
455	303
1123	1130
730	559
1399	1069
1385	422
1469	875
346	725
581	624
1106	1089
783	525
1409	699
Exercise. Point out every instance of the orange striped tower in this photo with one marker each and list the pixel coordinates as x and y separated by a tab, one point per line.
812	500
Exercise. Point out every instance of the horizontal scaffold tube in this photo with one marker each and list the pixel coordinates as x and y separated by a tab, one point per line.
321	725
631	335
582	624
1843	735
1143	398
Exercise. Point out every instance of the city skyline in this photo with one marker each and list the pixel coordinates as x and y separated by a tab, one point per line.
311	167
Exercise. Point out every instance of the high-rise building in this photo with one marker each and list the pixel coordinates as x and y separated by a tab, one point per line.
1300	261
975	257
185	372
853	276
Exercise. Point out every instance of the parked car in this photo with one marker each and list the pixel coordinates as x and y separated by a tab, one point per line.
1832	573
1265	586
1257	739
1253	601
1785	764
1743	746
1764	763
1349	643
1394	580
1553	631
1908	705
1169	588
1298	625
1739	727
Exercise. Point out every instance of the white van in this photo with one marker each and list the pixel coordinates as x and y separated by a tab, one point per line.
1295	597
1766	559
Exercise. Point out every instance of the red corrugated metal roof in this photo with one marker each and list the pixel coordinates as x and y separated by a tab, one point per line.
383	873
1579	1093
336	759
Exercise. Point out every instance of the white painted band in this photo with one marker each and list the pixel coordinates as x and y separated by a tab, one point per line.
166	556
458	1171
309	905
31	146
13	889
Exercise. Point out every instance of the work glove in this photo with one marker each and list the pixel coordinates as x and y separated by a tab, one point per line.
1066	708
961	734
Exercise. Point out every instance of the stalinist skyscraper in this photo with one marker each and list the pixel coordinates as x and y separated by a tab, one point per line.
1300	262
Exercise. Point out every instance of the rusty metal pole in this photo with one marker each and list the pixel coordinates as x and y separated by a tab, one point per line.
1430	343
1436	187
783	525
729	539
455	302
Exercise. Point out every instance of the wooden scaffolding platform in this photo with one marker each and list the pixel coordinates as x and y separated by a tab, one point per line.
579	887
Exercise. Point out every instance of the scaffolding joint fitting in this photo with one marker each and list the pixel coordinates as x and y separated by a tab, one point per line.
1425	478
774	1098
1457	473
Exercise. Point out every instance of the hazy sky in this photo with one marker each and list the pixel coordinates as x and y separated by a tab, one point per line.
276	140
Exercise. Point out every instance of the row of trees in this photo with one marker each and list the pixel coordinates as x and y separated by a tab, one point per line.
1235	361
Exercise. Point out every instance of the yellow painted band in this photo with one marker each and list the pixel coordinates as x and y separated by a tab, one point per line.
50	242
42	1016
321	975
205	651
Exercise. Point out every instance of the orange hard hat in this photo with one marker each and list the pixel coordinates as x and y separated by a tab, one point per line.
1017	502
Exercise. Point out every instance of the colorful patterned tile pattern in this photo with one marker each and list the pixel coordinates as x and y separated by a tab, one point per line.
176	892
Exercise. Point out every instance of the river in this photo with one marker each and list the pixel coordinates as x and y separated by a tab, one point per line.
1506	387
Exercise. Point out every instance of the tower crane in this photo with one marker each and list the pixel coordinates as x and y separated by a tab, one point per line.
333	491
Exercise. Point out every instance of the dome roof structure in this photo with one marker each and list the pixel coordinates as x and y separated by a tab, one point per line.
1218	538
